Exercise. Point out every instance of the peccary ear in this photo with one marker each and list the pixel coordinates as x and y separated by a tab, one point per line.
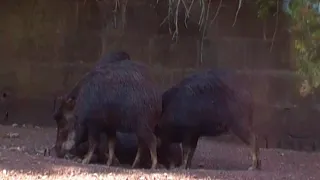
71	102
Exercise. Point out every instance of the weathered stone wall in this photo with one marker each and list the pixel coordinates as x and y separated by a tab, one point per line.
46	46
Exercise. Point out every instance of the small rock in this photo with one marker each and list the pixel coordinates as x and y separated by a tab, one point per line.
170	178
12	135
16	148
4	172
78	160
14	125
201	165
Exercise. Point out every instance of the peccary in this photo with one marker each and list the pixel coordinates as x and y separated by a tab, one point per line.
120	97
208	103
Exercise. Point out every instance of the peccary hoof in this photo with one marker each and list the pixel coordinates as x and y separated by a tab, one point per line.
46	152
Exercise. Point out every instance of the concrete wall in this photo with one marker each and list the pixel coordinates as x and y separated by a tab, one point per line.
46	46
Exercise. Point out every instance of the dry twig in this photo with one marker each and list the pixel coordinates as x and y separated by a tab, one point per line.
173	14
236	16
164	20
217	12
188	12
170	12
204	31
276	26
123	13
117	5
202	15
176	31
264	30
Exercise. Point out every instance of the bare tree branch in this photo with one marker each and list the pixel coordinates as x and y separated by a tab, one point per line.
236	16
123	13
202	15
217	12
170	12
176	31
276	26
204	31
187	14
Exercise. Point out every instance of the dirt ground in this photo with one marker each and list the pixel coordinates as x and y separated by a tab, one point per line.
21	158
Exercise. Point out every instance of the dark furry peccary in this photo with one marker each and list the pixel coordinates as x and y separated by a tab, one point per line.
208	103
64	102
120	97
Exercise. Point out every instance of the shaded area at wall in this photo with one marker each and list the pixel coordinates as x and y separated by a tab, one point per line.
44	53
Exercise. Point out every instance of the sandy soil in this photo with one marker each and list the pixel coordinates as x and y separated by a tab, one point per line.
21	158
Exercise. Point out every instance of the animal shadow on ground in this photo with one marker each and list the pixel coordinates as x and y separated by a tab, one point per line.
22	163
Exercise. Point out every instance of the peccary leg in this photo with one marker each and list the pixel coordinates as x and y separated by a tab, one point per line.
189	147
146	137
256	162
92	146
186	151
250	139
115	160
172	165
165	152
111	146
169	161
190	156
93	139
153	153
137	158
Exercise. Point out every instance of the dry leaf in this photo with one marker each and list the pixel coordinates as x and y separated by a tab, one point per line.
12	135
